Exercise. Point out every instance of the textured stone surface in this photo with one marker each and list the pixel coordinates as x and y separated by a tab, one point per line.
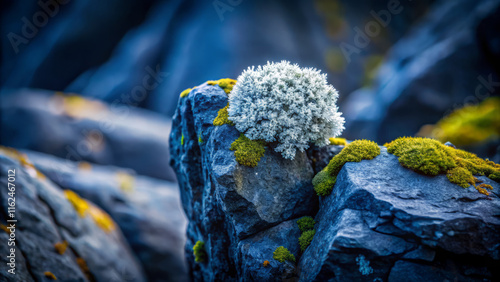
224	201
46	217
147	210
388	214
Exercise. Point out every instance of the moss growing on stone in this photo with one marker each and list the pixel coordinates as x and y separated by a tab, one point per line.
248	152
199	252
431	157
84	208
355	151
306	238
337	141
281	254
61	247
223	117
200	140
49	275
495	176
185	92
306	223
182	139
226	84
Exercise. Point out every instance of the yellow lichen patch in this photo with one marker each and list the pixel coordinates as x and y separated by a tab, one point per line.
102	219
23	161
84	268
226	84
430	157
199	251
78	107
337	141
126	181
186	92
482	189
50	275
266	263
4	228
80	205
61	247
248	152
84	166
223	117
468	125
355	151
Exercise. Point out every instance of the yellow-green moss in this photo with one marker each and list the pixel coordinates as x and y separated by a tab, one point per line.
281	254
306	238
223	117
337	141
355	151
200	140
306	223
182	139
431	157
84	208
468	125
185	92
248	152
199	251
226	84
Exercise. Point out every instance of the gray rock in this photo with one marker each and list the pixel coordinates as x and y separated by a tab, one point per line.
147	210
45	217
380	212
122	136
226	202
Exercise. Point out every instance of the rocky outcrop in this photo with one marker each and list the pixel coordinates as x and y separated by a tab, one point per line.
148	211
47	217
71	127
381	222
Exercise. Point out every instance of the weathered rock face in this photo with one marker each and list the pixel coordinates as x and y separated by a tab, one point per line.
148	211
46	217
227	203
381	222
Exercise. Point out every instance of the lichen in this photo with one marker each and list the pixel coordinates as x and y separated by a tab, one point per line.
61	247
266	263
222	117
199	251
226	84
50	275
84	268
186	92
281	254
248	152
355	151
306	223
84	208
468	125
337	141
306	238
431	157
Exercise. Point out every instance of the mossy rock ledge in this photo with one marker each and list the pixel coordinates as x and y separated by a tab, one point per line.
381	222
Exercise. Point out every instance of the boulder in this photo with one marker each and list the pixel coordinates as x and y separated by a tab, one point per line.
46	216
77	129
147	210
383	221
224	201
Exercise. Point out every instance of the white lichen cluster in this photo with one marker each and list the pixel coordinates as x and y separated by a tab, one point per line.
285	103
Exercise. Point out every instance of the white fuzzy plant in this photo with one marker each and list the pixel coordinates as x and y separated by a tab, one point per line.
285	103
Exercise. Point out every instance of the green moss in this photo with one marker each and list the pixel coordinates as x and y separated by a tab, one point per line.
199	251
337	141
182	139
353	152
281	254
495	176
468	125
306	223
248	152
200	140
186	92
306	238
226	84
223	117
430	157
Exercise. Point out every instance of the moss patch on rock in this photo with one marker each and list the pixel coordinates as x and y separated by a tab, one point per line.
281	254
226	84
248	152
306	238
223	117
355	151
431	157
338	141
306	223
199	251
